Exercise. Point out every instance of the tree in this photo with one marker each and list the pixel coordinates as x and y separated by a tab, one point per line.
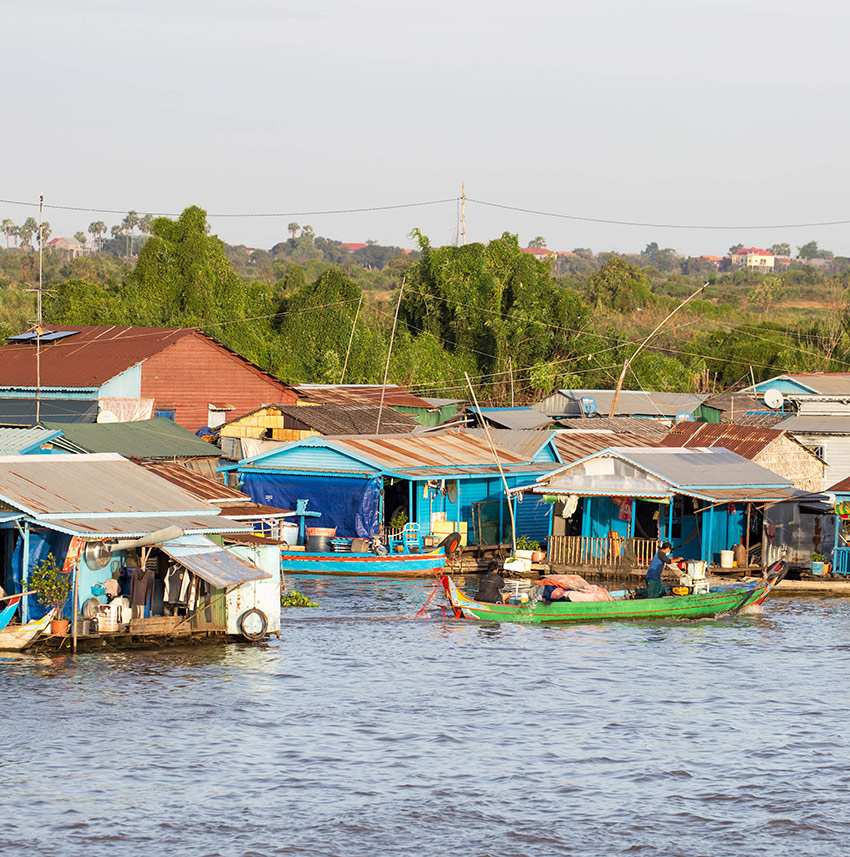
539	242
8	229
307	233
651	251
293	228
767	293
783	249
619	285
810	250
146	224
130	222
735	248
27	229
96	229
81	237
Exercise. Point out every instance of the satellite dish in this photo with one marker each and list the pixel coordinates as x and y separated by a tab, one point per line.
96	556
107	417
684	417
588	405
773	399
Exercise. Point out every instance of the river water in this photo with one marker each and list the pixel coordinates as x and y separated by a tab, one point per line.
363	731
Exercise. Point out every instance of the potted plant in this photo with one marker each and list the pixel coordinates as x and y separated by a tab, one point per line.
53	587
818	559
530	549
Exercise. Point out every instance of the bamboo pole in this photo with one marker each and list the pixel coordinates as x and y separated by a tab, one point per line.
498	464
351	338
389	354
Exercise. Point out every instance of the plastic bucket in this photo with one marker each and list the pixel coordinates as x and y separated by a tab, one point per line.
289	533
817	567
320	531
726	559
319	544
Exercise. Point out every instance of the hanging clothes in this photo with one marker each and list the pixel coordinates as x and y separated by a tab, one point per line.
141	590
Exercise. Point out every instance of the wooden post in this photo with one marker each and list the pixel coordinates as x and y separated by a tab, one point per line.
74	608
747	540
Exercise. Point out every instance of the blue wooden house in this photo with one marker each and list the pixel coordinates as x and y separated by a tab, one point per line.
361	484
703	500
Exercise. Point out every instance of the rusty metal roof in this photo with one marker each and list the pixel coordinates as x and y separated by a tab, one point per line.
198	486
365	394
426	451
747	441
210	562
100	527
100	484
351	418
89	358
575	445
649	427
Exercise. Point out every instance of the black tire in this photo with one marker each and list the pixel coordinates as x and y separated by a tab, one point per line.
253	636
451	543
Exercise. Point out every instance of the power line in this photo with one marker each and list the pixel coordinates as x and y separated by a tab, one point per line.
317	213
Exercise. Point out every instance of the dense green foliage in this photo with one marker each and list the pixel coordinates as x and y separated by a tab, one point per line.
310	309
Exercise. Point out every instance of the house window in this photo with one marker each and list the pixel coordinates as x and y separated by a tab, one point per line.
168	413
818	451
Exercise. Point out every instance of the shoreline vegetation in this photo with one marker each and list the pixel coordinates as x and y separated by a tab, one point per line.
520	326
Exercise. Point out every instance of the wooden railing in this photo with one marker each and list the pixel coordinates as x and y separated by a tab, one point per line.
601	551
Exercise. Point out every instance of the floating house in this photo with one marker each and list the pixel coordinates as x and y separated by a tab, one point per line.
129	538
107	373
296	422
442	482
828	437
623	500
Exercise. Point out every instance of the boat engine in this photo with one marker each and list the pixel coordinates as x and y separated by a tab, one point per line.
695	576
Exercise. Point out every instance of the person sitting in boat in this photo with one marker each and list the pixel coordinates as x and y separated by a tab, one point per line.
490	585
662	558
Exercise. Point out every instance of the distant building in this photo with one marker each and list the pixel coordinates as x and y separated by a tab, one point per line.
539	252
753	257
69	248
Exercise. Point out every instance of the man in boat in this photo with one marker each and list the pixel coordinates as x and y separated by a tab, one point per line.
490	585
662	558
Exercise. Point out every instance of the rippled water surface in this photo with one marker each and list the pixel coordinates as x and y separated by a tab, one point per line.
363	731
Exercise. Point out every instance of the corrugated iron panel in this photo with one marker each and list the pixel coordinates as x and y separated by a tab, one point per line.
747	441
575	445
526	444
515	418
630	403
14	441
210	562
193	483
816	425
78	484
340	394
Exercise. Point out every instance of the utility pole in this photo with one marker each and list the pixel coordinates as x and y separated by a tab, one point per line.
463	212
615	401
40	256
511	370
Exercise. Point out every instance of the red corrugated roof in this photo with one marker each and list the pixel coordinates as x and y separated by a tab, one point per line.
575	445
366	394
90	358
757	250
747	441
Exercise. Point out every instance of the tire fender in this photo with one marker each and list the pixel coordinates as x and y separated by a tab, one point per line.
256	635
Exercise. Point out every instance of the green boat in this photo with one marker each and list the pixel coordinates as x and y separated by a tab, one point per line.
724	599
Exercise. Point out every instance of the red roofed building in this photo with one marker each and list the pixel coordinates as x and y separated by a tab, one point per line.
753	257
539	252
114	374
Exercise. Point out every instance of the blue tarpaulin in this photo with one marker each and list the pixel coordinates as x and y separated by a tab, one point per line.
41	544
350	504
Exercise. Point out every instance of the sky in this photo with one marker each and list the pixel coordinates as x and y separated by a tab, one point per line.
700	113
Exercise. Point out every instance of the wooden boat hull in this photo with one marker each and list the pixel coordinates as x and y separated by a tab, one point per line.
393	565
723	600
15	638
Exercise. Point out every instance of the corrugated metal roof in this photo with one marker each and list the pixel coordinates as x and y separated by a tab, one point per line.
459	470
630	403
89	358
842	487
369	394
345	419
824	383
156	438
424	451
575	445
106	483
647	427
737	403
136	527
193	483
17	441
210	562
816	425
748	441
514	418
526	444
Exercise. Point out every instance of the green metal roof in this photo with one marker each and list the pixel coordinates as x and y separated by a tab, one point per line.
156	438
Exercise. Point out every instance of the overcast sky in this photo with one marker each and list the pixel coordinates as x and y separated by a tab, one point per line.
666	111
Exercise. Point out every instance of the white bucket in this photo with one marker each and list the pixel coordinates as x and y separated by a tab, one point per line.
727	559
289	533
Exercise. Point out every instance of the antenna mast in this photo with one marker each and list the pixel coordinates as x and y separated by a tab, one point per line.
463	212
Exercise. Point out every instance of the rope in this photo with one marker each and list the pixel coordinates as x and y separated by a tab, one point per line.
422	609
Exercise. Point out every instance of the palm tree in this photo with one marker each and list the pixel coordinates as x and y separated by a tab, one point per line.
7	228
293	228
81	237
97	228
130	222
27	229
146	224
307	232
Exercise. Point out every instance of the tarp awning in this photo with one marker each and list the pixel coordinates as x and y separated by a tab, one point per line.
212	563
